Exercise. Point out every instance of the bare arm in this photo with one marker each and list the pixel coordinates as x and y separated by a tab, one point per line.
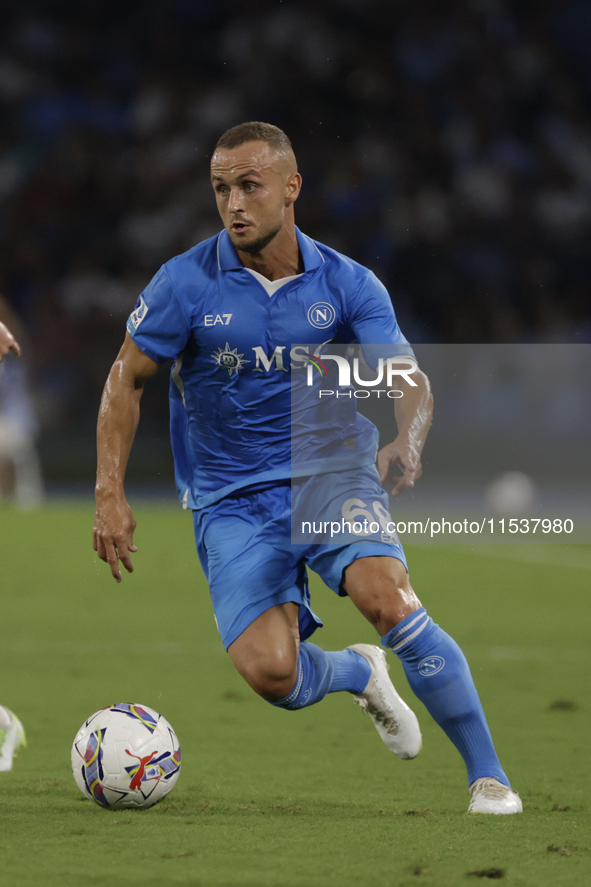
119	414
8	342
414	413
8	319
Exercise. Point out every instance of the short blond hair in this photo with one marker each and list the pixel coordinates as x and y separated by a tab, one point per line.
255	131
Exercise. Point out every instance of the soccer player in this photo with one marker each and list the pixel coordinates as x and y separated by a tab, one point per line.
229	311
12	735
20	469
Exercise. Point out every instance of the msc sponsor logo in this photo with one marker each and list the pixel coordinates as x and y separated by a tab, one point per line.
267	362
321	315
229	359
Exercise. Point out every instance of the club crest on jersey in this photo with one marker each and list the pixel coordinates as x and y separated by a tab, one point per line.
229	359
431	665
140	312
321	315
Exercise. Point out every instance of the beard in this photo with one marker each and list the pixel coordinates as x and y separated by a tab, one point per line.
258	245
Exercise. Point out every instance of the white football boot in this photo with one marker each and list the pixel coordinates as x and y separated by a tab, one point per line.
491	796
395	722
12	737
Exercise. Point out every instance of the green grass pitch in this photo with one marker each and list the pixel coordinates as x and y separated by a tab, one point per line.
268	798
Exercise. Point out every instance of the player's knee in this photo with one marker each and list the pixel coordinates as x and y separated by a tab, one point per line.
383	594
272	678
386	615
386	606
273	685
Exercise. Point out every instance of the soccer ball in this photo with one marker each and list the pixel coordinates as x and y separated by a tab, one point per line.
126	756
511	493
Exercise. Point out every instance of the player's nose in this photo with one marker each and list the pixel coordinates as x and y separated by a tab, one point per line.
235	200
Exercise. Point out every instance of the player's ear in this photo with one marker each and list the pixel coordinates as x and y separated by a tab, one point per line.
293	186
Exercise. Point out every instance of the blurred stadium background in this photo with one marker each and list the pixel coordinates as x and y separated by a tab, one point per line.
446	146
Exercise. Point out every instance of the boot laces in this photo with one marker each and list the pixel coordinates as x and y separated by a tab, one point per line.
381	714
490	789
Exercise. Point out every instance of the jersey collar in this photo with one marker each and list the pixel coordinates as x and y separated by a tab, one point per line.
228	257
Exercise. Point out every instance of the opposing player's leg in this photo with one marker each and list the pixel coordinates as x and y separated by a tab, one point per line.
12	738
437	672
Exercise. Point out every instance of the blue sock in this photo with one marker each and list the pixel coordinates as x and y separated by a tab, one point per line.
439	675
320	673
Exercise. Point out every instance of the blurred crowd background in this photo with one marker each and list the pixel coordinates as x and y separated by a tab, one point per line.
445	145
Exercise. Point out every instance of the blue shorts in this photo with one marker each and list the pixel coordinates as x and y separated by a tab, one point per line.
244	542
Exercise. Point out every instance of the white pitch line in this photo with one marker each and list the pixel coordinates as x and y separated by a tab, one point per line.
535	654
542	555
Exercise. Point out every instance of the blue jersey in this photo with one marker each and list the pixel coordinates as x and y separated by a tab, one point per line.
235	347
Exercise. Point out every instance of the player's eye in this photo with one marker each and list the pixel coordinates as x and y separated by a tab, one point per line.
249	186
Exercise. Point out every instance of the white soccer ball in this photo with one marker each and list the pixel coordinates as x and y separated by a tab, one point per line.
126	756
511	493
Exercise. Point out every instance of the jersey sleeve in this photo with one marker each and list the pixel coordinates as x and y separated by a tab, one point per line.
373	322
158	324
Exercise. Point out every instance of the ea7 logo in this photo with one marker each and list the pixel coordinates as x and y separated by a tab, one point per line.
214	319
